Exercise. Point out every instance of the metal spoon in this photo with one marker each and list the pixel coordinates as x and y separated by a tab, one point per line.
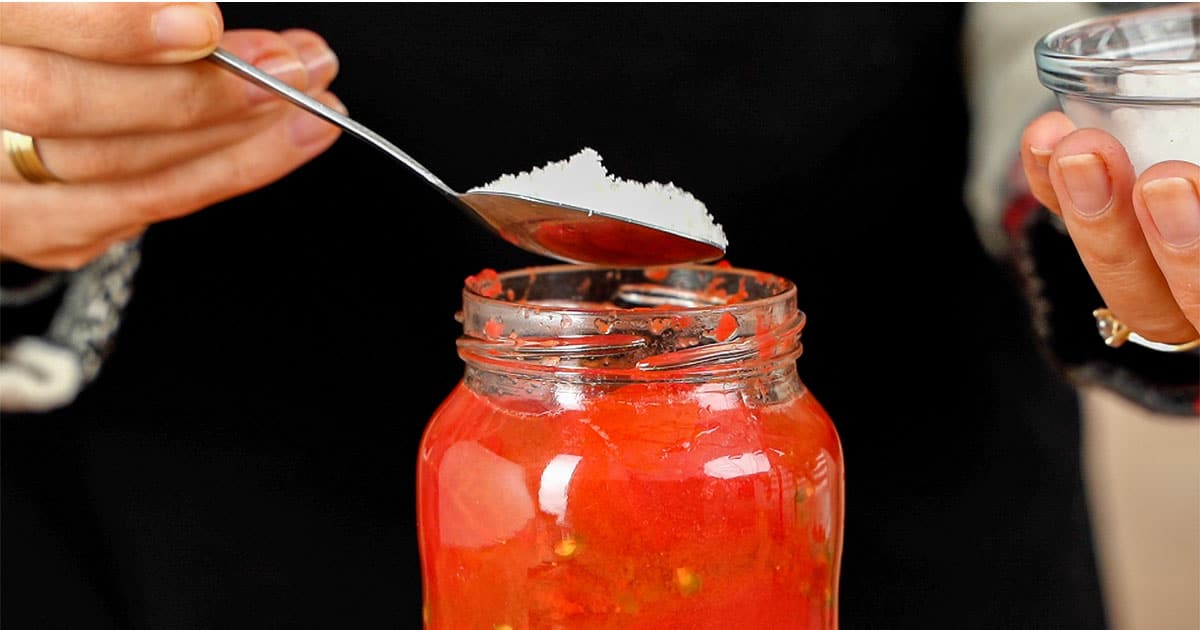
548	228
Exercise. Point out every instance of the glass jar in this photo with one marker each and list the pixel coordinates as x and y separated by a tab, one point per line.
630	448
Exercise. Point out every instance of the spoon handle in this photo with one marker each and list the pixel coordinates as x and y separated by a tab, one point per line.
246	70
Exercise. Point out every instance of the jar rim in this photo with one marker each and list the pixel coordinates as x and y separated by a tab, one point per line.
609	320
782	288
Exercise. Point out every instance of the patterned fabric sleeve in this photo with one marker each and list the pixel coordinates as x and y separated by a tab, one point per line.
59	327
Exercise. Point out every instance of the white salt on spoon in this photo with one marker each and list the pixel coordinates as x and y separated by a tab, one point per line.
574	210
583	182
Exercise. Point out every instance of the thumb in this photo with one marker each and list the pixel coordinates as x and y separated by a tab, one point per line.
150	32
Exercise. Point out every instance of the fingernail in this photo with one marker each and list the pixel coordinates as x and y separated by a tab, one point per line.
1040	155
185	27
1175	208
320	61
1087	182
287	69
307	128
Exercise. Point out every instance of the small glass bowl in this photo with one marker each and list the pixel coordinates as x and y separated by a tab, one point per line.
1135	75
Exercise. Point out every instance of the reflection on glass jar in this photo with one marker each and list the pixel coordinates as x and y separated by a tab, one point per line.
630	448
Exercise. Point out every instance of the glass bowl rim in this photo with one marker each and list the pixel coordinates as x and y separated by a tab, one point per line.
1071	74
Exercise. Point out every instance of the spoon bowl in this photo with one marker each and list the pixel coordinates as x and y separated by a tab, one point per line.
545	227
579	235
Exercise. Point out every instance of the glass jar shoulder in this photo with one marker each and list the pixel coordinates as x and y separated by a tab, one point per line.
742	421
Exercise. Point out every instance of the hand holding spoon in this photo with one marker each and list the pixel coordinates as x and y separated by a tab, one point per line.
541	226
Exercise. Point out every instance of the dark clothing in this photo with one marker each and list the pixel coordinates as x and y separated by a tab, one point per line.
246	457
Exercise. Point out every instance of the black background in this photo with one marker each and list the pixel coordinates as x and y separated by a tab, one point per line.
246	458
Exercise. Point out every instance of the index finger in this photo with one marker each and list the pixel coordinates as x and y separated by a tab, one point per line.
1037	144
133	32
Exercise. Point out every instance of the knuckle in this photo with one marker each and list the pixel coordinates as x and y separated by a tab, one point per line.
194	105
37	239
148	200
138	200
240	174
230	173
91	162
17	240
146	203
70	239
32	99
1113	264
199	96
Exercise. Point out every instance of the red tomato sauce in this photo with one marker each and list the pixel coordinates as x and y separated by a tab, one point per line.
648	505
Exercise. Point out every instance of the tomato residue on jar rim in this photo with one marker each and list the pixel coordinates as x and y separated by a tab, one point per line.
489	284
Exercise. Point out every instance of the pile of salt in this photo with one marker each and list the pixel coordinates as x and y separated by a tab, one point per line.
582	181
1151	117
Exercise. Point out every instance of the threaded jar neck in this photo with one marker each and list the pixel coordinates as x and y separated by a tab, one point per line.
576	322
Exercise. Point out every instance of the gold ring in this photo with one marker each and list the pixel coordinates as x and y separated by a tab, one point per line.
1116	333
22	150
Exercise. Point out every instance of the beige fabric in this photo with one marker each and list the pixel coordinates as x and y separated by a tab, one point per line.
1143	482
1004	94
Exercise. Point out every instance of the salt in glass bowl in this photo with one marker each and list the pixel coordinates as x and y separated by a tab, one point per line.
1135	75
